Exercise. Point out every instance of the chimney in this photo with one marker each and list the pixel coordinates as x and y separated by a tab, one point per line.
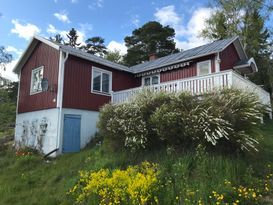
152	57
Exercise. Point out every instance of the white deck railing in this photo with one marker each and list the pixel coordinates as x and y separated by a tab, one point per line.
198	85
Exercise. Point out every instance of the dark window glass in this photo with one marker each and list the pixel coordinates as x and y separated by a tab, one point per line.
96	81
105	82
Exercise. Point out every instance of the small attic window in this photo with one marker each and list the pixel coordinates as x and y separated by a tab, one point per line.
36	79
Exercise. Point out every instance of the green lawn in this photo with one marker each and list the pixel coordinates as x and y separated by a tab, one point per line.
31	180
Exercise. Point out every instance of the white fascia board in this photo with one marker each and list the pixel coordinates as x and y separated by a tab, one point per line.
32	44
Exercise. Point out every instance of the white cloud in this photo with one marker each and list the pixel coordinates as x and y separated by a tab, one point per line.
25	31
96	4
62	16
114	45
80	32
51	29
167	15
14	50
74	1
8	73
187	35
135	20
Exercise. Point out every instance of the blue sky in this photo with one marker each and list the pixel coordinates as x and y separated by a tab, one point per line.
110	19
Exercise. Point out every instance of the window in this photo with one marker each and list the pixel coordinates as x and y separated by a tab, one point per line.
36	79
101	81
204	67
151	80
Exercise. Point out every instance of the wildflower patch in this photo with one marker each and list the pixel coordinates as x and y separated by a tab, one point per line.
136	185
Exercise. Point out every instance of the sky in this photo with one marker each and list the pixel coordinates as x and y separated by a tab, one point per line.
110	19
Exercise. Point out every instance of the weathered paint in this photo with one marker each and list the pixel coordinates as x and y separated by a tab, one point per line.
43	55
77	84
186	72
37	129
229	57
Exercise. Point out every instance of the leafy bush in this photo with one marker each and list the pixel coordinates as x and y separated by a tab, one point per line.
136	185
227	118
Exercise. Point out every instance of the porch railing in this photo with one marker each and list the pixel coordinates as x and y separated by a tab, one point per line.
198	85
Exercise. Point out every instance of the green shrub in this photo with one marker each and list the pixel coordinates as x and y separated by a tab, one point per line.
227	118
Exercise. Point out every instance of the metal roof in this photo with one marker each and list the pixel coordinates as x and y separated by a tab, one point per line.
93	58
211	48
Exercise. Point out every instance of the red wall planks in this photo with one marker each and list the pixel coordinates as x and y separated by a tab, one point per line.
77	84
43	55
228	57
186	72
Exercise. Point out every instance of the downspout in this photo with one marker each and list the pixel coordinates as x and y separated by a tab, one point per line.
63	58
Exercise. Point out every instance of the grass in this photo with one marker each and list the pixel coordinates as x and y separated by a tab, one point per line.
31	180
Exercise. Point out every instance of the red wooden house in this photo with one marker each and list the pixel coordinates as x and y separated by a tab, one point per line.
61	89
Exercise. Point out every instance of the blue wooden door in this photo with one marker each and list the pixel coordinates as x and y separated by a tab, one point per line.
72	133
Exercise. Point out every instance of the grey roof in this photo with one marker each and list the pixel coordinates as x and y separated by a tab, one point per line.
93	58
211	48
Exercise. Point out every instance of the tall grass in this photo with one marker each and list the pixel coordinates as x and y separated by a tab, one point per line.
31	180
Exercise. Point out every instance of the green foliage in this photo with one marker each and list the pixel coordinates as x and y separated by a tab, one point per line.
57	38
114	56
72	38
95	45
8	98
4	58
151	38
184	178
226	120
246	19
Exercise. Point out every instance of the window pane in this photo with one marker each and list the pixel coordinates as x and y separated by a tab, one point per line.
105	82
204	68
155	80
37	76
147	81
96	81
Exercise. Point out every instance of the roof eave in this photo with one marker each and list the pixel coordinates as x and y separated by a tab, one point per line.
88	57
179	61
31	46
250	65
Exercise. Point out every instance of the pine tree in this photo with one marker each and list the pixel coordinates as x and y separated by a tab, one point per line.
4	58
72	37
151	38
95	45
57	38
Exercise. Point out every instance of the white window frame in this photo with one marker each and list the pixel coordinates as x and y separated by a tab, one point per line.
150	76
198	66
32	92
110	81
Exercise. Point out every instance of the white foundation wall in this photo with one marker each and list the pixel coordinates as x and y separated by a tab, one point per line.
37	129
89	121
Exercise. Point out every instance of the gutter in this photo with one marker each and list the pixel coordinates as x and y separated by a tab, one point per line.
63	58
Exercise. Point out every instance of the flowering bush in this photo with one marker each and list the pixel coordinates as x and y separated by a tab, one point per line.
227	118
136	185
124	124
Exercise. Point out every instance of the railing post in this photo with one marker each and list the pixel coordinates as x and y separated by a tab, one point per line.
229	79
